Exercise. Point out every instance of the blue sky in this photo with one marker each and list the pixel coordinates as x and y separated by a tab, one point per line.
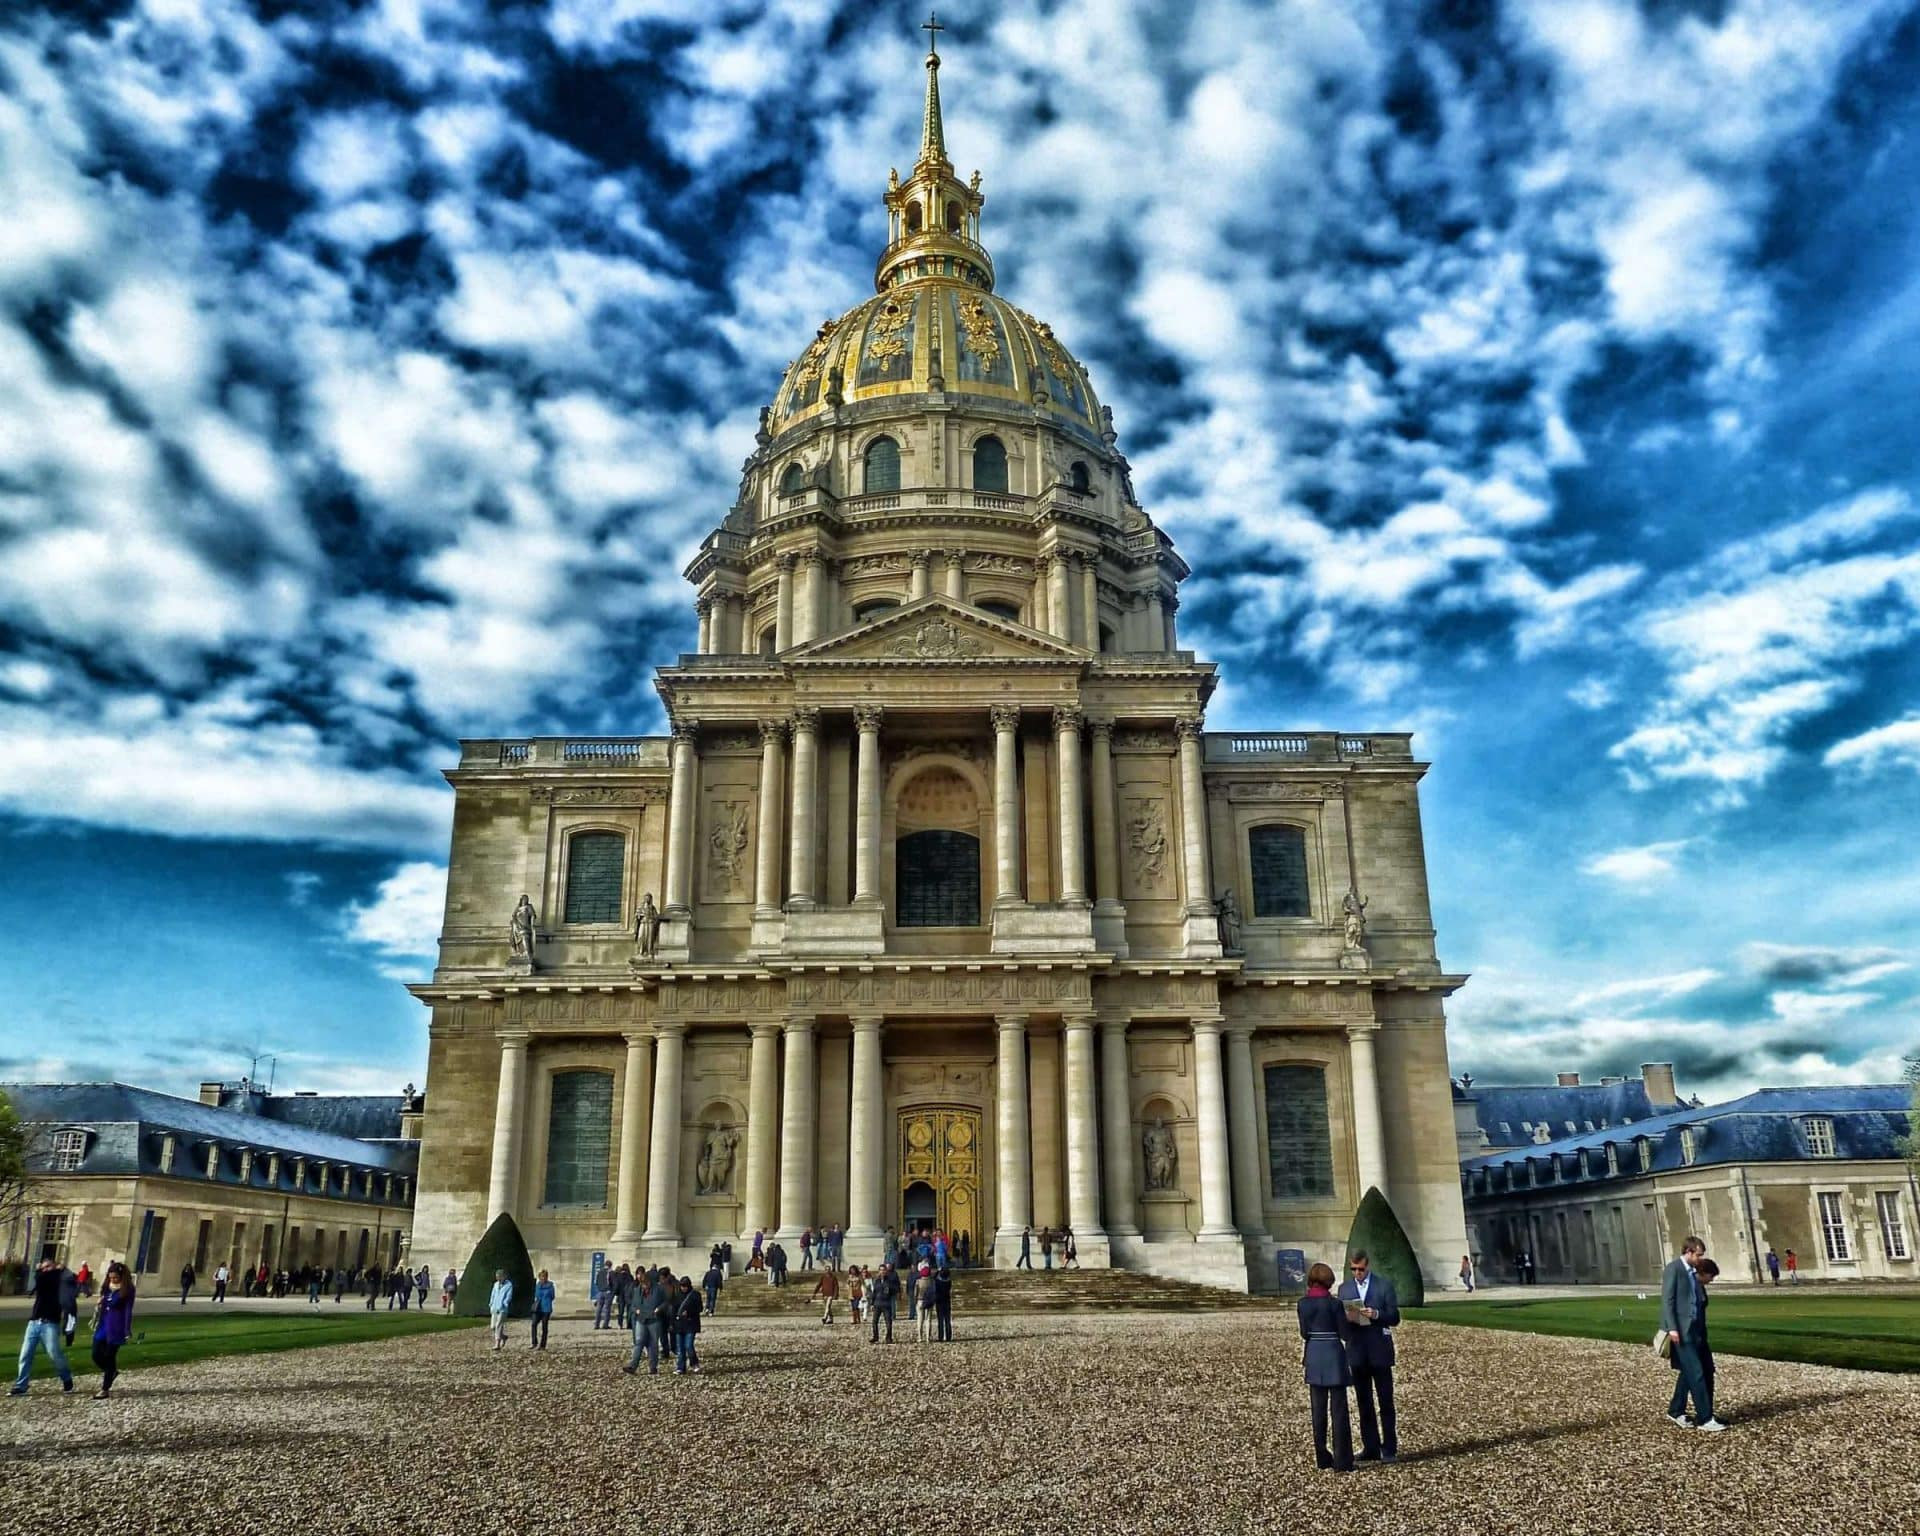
1540	378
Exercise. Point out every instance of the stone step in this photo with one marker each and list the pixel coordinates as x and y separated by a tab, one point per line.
987	1290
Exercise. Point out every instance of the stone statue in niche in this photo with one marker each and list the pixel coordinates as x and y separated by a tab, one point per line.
1355	906
727	843
1160	1155
1146	842
520	932
715	1169
646	928
1229	912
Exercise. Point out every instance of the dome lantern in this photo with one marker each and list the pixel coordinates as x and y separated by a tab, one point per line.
933	218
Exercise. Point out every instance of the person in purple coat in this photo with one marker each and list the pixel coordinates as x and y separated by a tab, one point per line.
112	1325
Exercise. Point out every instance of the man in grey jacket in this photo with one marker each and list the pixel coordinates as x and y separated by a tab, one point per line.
1683	1313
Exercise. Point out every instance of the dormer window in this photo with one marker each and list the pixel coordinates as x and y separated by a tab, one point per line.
69	1147
166	1154
1819	1137
1613	1159
273	1169
246	1167
213	1161
1687	1147
1586	1167
1646	1154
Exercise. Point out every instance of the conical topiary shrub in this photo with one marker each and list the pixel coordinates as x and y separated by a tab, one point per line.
501	1247
1377	1232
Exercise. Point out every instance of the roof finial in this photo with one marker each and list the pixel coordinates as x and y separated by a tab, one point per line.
933	137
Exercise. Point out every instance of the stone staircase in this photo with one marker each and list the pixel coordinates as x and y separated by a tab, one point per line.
1014	1292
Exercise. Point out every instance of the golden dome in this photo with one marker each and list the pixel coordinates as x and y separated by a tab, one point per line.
935	325
939	333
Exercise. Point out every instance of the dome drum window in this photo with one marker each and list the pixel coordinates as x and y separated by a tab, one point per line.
990	465
881	466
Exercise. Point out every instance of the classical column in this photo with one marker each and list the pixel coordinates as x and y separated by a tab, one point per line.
783	603
1083	1129
1090	600
766	870
704	607
1169	606
1059	602
1243	1133
1006	803
629	1218
763	1129
800	855
1369	1135
1116	1126
1016	1154
1042	617
797	1130
663	1158
1073	871
956	575
1216	1193
732	635
680	797
503	1183
1193	820
920	583
1106	847
866	827
866	1145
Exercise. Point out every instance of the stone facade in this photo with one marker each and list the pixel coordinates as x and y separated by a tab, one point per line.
939	847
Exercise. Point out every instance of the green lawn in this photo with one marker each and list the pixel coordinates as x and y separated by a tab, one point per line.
1870	1333
161	1337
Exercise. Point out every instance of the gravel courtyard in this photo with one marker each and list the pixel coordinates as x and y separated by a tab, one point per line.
1085	1423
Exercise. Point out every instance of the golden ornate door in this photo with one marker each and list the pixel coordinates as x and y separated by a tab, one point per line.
940	1147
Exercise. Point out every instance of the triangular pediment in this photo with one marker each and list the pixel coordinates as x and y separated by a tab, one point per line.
937	630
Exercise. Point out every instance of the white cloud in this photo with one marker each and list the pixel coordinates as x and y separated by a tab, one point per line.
1893	745
1644	990
1636	866
402	921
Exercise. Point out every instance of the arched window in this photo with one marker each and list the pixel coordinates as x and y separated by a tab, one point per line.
953	218
1107	645
882	465
1299	1148
989	465
793	479
937	879
768	637
1278	855
595	863
579	1134
1000	610
1081	480
913	218
867	612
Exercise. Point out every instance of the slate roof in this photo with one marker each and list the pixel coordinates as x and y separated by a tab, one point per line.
1766	1126
1515	1107
128	1124
359	1116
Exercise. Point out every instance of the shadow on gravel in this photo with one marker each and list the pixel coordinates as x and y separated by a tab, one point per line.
1533	1436
142	1445
1784	1407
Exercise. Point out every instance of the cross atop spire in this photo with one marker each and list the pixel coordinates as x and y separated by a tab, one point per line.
933	135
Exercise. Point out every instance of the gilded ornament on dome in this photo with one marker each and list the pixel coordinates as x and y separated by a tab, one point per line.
886	338
977	332
814	358
1049	344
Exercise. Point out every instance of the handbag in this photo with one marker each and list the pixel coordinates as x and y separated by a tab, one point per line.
1662	1344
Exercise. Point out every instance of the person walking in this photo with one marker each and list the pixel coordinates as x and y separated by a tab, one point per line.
1466	1271
1025	1261
924	1289
447	1288
603	1299
1793	1267
1683	1313
313	1291
882	1290
827	1288
943	1305
1046	1247
543	1294
112	1326
1328	1369
856	1293
715	1280
499	1303
220	1284
370	1284
187	1277
650	1301
45	1324
806	1248
686	1329
423	1282
1773	1264
69	1304
1373	1315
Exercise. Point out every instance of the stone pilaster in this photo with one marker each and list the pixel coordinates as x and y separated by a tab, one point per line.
1202	928
797	1130
1059	599
1216	1185
703	606
1116	1127
684	789
783	602
1090	600
956	584
920	581
1073	866
1243	1134
1016	1155
866	1148
630	1193
763	1130
766	871
1083	1136
802	856
1369	1134
866	834
1006	803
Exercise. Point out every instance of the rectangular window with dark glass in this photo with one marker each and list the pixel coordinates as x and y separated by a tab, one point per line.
579	1138
936	880
1279	858
1299	1146
594	868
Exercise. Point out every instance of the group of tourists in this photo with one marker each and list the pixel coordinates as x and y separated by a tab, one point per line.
398	1285
53	1319
1053	1240
873	1296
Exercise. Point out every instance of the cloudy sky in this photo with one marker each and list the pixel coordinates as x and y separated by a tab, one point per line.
1539	377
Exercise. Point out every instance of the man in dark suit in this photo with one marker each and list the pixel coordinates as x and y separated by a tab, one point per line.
1683	1313
1370	1354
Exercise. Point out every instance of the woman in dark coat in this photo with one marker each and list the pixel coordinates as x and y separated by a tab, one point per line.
686	1328
1323	1324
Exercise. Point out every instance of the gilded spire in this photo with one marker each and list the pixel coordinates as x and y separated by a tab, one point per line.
933	137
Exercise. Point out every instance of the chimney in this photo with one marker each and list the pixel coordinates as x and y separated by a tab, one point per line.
1567	1079
1658	1076
210	1094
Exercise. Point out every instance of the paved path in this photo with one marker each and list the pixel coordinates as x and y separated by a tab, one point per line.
1086	1423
